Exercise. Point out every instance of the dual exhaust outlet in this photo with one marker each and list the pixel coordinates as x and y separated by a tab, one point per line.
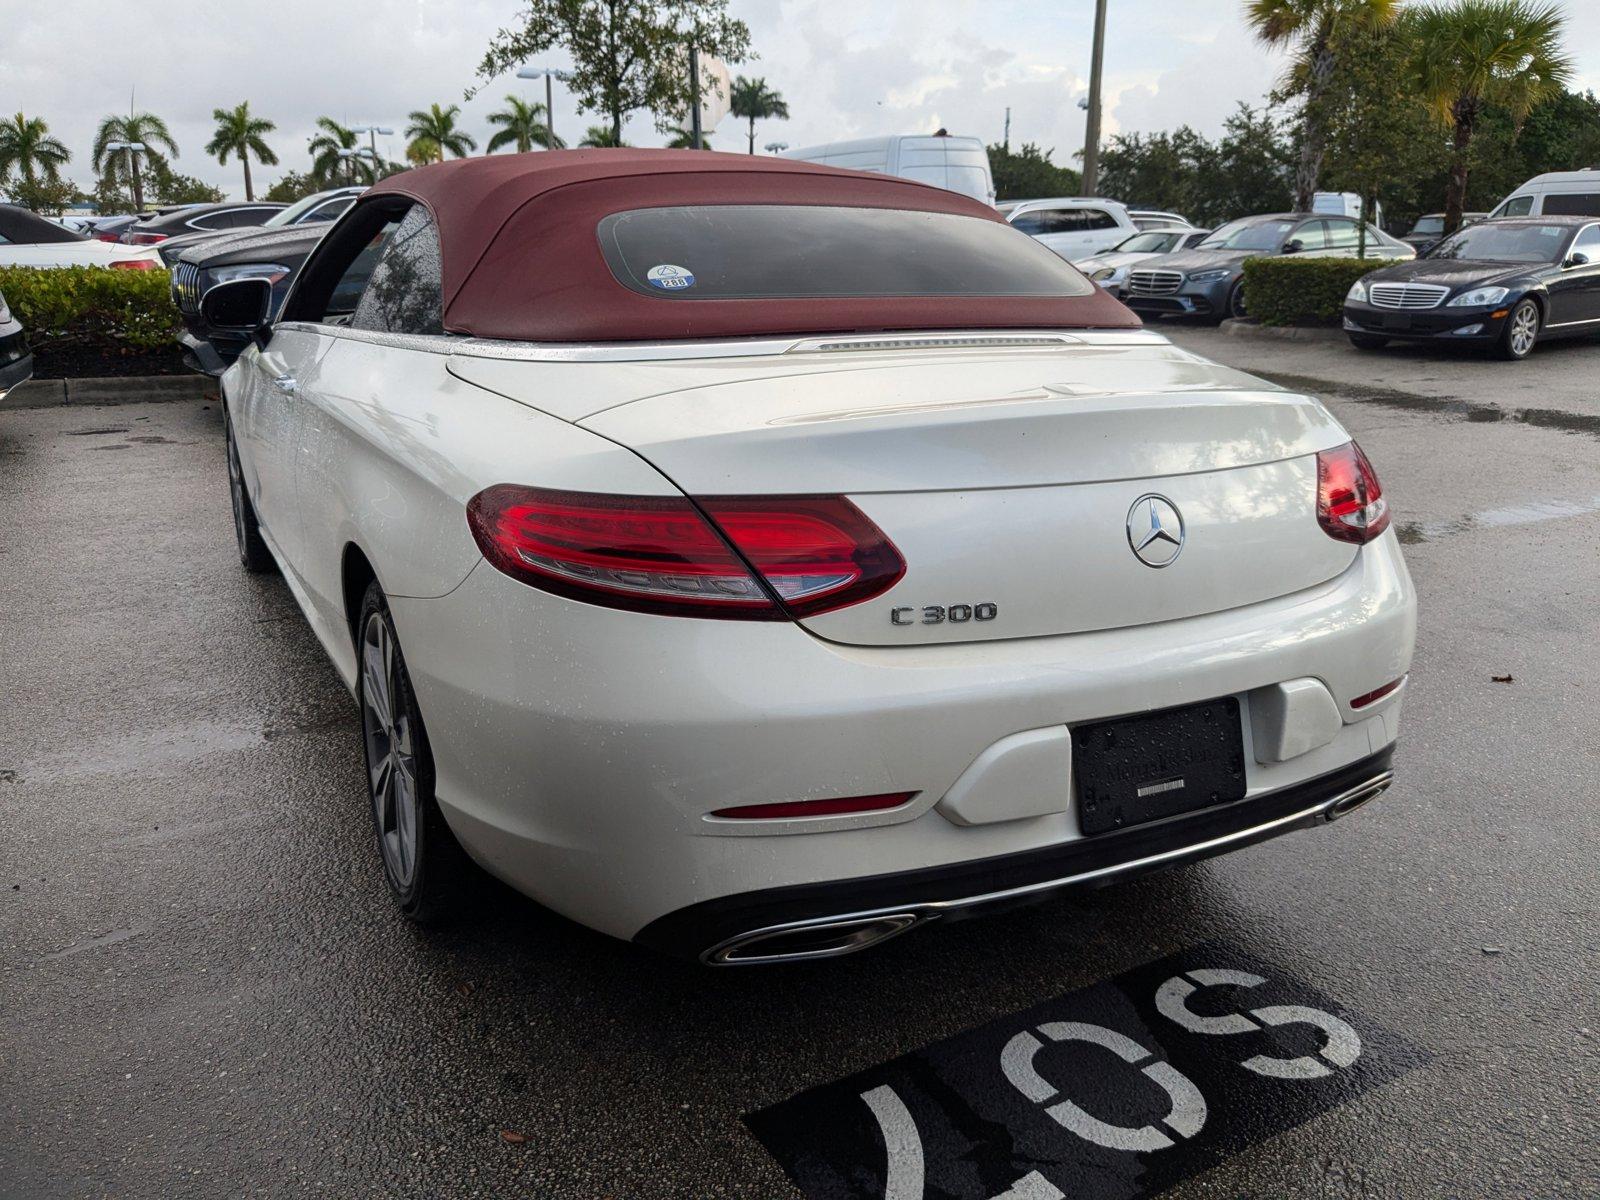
832	937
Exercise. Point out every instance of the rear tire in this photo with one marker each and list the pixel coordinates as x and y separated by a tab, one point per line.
1521	332
253	553
1366	341
426	869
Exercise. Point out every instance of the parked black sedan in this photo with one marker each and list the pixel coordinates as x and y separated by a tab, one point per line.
1505	284
194	218
1428	230
325	206
16	361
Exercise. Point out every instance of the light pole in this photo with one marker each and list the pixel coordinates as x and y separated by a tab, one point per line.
549	73
776	147
130	149
1091	132
373	131
350	156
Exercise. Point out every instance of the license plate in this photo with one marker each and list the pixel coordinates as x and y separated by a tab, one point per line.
1397	320
1137	769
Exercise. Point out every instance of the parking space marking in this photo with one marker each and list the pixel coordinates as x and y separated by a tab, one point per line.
1118	1090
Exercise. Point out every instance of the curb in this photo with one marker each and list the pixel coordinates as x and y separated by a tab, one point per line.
1234	327
48	393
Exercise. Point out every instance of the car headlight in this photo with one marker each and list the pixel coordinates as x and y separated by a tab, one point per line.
1210	276
1108	274
271	272
1357	293
1484	297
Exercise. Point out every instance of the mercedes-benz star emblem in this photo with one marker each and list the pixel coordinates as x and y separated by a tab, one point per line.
1155	530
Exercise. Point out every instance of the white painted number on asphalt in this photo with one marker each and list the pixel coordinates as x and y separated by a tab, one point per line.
904	1147
1344	1044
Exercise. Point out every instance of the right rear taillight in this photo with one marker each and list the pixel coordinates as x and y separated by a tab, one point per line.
1350	503
144	239
760	559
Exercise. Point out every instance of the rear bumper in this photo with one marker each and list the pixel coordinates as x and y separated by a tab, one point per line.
825	920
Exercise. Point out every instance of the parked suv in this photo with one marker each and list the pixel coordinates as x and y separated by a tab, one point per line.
1074	228
1208	281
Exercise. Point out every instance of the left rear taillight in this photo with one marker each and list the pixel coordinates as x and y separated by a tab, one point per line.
744	558
1350	503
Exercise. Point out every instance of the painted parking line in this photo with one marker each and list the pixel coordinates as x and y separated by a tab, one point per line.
1120	1089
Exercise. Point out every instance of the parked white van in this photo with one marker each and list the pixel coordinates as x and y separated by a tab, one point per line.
960	164
1556	194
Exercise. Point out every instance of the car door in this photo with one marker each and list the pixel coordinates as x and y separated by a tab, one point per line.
1309	239
1575	289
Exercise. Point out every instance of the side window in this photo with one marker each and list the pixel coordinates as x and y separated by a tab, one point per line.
1095	218
405	293
1573	204
328	210
1312	235
1517	206
1342	235
212	222
1037	221
1588	244
353	282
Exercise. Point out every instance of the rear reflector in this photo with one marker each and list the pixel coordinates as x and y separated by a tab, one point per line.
1374	696
661	554
1350	503
838	807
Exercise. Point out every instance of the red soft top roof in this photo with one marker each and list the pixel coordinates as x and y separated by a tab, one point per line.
522	258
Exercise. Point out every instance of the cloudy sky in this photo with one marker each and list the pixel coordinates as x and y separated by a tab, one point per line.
847	67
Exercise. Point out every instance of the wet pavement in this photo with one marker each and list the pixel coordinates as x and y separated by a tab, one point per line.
203	991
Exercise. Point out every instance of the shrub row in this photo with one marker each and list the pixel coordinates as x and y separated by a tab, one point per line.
93	309
1301	291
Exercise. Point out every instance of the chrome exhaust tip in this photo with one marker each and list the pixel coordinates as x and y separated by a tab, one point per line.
809	940
1357	797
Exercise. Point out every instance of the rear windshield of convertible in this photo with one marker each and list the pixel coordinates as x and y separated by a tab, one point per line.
773	251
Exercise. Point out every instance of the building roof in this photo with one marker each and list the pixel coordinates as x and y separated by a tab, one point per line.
522	258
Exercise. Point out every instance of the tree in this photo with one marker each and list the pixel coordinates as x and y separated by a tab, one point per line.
752	100
1473	54
241	134
44	195
626	54
1314	28
1028	174
433	133
293	186
683	139
522	125
120	166
28	152
327	164
601	137
169	187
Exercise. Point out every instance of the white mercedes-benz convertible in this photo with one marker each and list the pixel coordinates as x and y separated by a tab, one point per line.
755	559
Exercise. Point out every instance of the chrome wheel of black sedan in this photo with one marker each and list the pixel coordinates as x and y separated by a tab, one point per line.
1501	285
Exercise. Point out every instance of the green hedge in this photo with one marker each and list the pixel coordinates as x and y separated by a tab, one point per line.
93	308
1301	291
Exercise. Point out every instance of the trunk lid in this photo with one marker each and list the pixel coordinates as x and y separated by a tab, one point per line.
1007	479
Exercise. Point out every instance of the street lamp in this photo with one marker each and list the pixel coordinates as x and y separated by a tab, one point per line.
549	73
130	149
373	131
349	157
776	147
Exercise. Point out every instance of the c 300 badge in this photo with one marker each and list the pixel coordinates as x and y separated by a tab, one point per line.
940	614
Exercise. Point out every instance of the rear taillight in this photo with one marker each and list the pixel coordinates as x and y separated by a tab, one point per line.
1350	503
144	239
840	806
134	264
1374	696
661	554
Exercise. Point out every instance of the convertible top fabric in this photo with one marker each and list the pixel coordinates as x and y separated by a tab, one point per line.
522	258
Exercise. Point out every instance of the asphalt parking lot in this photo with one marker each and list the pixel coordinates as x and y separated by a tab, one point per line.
203	991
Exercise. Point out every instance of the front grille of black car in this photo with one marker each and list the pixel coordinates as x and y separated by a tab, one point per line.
1154	283
1406	295
186	287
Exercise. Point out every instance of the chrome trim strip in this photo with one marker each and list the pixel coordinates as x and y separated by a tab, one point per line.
1571	324
470	347
929	910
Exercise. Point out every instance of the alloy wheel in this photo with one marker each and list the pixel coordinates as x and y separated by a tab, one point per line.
1524	328
391	750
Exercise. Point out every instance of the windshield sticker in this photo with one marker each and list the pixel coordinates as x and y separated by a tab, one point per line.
670	278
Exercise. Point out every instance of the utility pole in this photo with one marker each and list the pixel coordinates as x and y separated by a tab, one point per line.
694	95
1091	133
1006	141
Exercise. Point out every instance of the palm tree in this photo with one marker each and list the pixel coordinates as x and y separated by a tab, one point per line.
1474	53
239	133
144	128
1313	28
326	161
754	101
602	136
433	132
683	139
522	125
27	149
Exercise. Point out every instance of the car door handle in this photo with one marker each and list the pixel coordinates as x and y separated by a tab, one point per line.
286	384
